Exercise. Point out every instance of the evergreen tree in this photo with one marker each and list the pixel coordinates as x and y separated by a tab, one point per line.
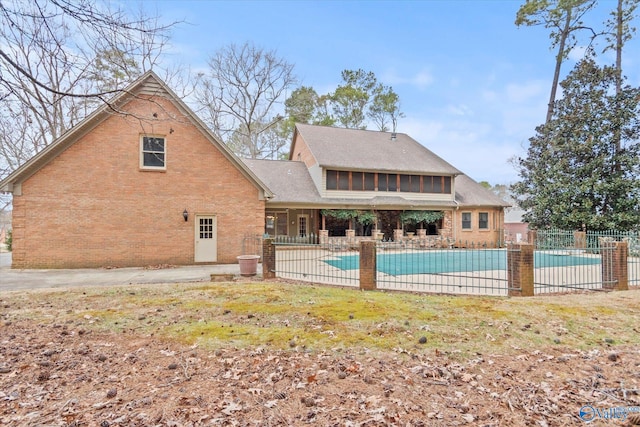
574	176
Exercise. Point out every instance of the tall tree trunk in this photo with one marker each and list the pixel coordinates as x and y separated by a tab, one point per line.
619	44
559	59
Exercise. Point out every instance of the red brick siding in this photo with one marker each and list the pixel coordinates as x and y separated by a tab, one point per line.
301	152
92	206
476	235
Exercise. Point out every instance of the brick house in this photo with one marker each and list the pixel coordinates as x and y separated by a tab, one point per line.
386	175
148	185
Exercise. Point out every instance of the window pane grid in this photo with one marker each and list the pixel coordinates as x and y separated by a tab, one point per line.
153	152
206	228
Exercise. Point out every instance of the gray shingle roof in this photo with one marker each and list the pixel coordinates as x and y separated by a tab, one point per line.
355	149
291	183
470	193
288	181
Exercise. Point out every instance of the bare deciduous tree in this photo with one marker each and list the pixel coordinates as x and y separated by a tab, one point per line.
73	32
240	97
59	59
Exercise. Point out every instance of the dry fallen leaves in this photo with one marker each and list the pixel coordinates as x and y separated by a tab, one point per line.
100	379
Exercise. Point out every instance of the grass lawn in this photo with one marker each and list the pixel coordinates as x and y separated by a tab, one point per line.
283	316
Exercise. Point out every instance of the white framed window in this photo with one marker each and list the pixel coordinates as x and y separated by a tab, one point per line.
483	220
153	152
466	220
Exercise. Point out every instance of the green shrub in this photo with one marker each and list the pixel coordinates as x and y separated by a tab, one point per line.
416	217
9	241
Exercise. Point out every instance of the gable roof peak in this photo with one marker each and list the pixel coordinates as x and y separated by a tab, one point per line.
362	149
147	85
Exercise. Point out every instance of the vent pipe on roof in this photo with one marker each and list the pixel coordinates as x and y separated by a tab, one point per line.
393	136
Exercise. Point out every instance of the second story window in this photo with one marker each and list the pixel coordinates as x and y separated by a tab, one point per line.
372	181
152	155
337	180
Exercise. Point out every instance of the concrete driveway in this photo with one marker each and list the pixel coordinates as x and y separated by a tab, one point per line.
11	280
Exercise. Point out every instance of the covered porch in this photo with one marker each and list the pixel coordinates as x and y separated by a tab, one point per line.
390	225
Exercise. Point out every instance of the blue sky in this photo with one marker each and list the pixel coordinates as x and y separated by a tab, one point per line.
472	85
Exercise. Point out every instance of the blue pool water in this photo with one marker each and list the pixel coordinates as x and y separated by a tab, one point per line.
434	262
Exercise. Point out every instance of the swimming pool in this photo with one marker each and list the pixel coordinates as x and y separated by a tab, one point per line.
454	261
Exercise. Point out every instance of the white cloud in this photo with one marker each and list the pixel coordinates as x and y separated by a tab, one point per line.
422	79
478	149
459	110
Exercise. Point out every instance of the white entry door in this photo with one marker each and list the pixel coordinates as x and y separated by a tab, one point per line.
206	239
303	225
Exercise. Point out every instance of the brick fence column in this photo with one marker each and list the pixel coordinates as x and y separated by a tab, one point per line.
520	270
614	265
368	265
532	236
324	236
268	259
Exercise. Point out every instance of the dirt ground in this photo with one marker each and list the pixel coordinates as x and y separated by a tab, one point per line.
66	375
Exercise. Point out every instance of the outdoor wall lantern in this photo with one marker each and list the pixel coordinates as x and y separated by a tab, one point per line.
185	215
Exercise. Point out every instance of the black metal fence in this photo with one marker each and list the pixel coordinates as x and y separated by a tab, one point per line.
572	260
563	262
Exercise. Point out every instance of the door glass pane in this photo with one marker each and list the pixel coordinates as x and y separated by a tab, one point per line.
206	228
302	226
270	225
281	224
